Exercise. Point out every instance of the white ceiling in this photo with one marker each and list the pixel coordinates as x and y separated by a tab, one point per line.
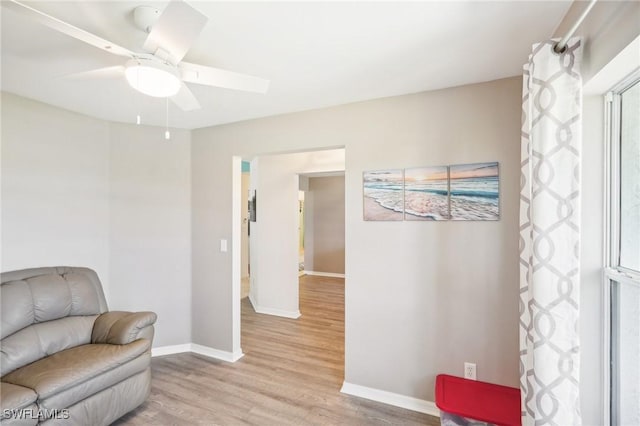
316	54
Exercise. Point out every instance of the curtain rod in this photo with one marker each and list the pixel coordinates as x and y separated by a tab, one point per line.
561	46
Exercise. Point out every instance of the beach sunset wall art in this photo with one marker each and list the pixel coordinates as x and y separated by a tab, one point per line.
426	193
383	195
456	192
475	191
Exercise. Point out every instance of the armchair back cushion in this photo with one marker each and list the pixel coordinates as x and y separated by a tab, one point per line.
46	310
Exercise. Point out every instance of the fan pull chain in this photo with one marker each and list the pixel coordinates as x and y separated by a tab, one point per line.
138	119
167	135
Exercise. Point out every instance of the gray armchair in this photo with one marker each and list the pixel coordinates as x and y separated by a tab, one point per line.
64	359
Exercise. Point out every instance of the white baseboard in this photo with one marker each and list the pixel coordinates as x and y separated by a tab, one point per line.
216	353
278	312
273	311
324	274
169	350
198	349
402	401
253	302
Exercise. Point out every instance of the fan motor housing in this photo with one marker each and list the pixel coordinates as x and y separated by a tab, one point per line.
145	17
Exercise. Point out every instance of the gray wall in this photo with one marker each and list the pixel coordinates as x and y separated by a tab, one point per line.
324	207
113	197
150	228
55	188
421	298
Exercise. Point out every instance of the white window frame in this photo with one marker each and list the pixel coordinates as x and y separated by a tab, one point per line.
612	270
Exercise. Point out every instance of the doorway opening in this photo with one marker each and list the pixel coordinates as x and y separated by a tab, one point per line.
322	226
245	217
268	254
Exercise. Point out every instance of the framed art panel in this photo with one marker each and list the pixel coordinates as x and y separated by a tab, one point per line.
475	191
426	193
383	195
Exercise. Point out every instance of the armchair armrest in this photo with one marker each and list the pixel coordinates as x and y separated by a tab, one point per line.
120	328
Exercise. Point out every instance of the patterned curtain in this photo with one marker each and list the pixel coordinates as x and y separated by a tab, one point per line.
550	236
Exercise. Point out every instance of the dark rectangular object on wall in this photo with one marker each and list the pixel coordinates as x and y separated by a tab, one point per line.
252	206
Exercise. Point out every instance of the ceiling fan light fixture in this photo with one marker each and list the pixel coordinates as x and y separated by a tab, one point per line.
152	78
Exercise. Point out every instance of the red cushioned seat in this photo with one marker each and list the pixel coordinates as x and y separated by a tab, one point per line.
481	401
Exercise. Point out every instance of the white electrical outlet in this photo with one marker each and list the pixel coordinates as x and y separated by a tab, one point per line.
469	371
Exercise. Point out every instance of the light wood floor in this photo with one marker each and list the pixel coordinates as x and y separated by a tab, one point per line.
291	374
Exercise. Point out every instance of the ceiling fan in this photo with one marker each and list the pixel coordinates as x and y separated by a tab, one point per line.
159	71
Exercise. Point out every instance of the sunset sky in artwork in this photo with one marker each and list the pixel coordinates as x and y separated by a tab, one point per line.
426	173
384	176
462	171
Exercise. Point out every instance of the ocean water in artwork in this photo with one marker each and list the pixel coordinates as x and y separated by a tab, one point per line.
475	191
383	195
426	193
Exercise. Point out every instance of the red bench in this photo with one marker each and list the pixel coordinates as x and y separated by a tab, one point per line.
479	401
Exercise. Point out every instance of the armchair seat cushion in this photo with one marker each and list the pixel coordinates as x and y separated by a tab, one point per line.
69	376
14	397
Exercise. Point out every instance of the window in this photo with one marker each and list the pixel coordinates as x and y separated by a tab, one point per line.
630	178
622	274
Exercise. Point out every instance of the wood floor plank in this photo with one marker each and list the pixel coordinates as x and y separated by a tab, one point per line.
291	374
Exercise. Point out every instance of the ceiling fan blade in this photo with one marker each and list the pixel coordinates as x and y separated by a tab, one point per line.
175	31
107	72
185	99
65	28
209	76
